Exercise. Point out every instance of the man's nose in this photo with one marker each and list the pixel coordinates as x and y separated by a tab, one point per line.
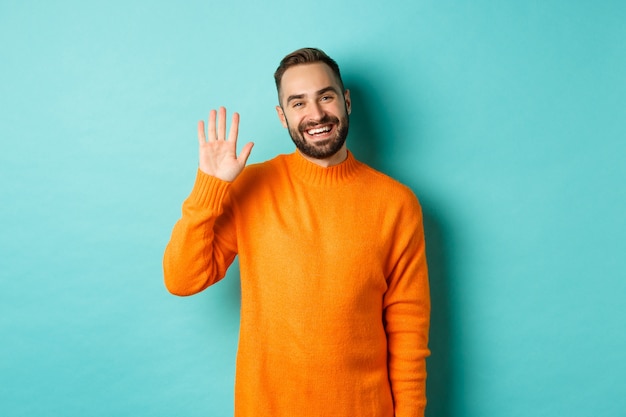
317	112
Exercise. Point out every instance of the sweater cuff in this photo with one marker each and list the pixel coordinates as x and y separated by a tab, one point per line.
208	192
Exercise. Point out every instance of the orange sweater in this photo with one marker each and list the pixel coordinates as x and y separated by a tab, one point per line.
334	287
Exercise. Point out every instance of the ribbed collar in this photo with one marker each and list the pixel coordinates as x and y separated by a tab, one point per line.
314	174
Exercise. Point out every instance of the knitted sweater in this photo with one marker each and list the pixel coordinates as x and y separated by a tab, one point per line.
334	288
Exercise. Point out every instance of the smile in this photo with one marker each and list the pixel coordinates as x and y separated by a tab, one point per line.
319	130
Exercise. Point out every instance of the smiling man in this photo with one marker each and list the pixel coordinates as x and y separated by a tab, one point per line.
334	284
319	118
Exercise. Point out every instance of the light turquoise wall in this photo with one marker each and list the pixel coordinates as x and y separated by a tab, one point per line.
506	118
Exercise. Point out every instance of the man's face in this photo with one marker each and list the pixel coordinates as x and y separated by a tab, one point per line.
314	109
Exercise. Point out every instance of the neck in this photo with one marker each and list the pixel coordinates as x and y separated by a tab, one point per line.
332	160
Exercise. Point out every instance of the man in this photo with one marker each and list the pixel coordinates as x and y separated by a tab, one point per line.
334	288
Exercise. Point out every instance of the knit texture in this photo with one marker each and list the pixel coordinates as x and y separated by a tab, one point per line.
334	285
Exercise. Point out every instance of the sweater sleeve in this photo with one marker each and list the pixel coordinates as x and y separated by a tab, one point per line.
202	245
407	315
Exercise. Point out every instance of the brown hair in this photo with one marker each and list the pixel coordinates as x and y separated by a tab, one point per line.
305	56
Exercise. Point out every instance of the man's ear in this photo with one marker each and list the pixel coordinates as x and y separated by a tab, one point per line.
346	98
281	117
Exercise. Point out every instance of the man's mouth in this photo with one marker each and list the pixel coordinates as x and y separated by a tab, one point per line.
321	131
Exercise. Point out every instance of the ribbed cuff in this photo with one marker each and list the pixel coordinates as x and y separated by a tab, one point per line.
208	192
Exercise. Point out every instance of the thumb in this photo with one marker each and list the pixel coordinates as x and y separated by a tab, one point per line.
245	153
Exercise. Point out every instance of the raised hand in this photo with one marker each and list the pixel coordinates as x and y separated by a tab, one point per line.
218	155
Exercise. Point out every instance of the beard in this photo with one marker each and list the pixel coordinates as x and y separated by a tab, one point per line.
324	148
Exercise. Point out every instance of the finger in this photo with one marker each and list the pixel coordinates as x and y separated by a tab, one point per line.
212	133
221	124
245	153
201	134
234	128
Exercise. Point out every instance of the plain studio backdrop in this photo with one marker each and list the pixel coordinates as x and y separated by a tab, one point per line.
507	119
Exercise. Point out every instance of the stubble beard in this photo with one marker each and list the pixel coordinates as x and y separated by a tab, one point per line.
321	149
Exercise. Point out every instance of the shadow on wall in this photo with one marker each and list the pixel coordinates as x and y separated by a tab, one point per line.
366	141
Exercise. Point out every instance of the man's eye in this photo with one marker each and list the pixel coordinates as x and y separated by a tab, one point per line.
297	104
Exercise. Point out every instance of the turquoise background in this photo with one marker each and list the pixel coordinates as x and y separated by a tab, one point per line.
508	120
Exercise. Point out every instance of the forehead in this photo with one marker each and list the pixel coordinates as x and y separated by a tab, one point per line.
308	79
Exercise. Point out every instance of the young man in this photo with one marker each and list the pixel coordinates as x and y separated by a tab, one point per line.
334	285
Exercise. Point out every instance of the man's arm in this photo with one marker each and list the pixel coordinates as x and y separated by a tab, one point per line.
202	245
407	316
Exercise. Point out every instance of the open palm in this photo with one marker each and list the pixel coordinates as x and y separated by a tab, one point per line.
218	155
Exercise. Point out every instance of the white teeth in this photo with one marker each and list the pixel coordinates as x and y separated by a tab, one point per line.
318	130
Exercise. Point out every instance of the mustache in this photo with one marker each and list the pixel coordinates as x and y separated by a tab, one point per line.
324	120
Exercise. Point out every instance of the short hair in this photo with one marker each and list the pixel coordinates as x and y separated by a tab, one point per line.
305	56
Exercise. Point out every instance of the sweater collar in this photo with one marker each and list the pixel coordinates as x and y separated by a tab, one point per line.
314	174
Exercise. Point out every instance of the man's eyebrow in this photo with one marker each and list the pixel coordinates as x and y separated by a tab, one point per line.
327	89
318	93
295	97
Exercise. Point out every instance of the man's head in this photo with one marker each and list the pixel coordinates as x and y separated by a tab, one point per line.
313	104
305	56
